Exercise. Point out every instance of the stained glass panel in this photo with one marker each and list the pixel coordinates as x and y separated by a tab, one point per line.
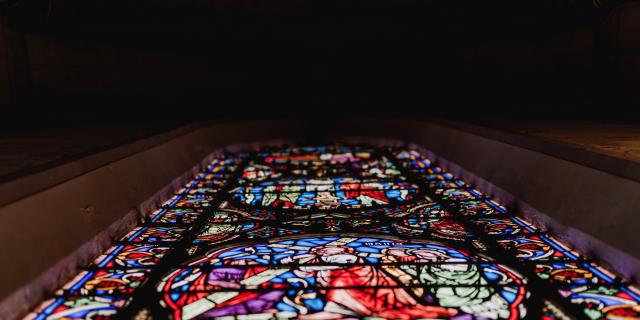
105	282
80	307
132	255
337	232
345	276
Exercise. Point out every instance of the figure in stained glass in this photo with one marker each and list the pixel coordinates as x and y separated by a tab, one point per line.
324	178
325	277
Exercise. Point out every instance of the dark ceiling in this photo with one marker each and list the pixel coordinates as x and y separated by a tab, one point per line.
94	59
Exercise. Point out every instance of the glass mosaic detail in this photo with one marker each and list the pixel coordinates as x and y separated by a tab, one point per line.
342	277
337	232
322	178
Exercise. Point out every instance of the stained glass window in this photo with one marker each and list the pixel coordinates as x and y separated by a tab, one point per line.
338	232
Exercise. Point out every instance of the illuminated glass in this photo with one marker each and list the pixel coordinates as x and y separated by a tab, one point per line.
337	232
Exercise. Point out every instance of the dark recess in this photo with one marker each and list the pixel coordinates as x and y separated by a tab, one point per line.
141	60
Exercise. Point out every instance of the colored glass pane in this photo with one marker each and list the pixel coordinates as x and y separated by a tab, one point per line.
175	215
154	234
132	255
105	282
79	308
